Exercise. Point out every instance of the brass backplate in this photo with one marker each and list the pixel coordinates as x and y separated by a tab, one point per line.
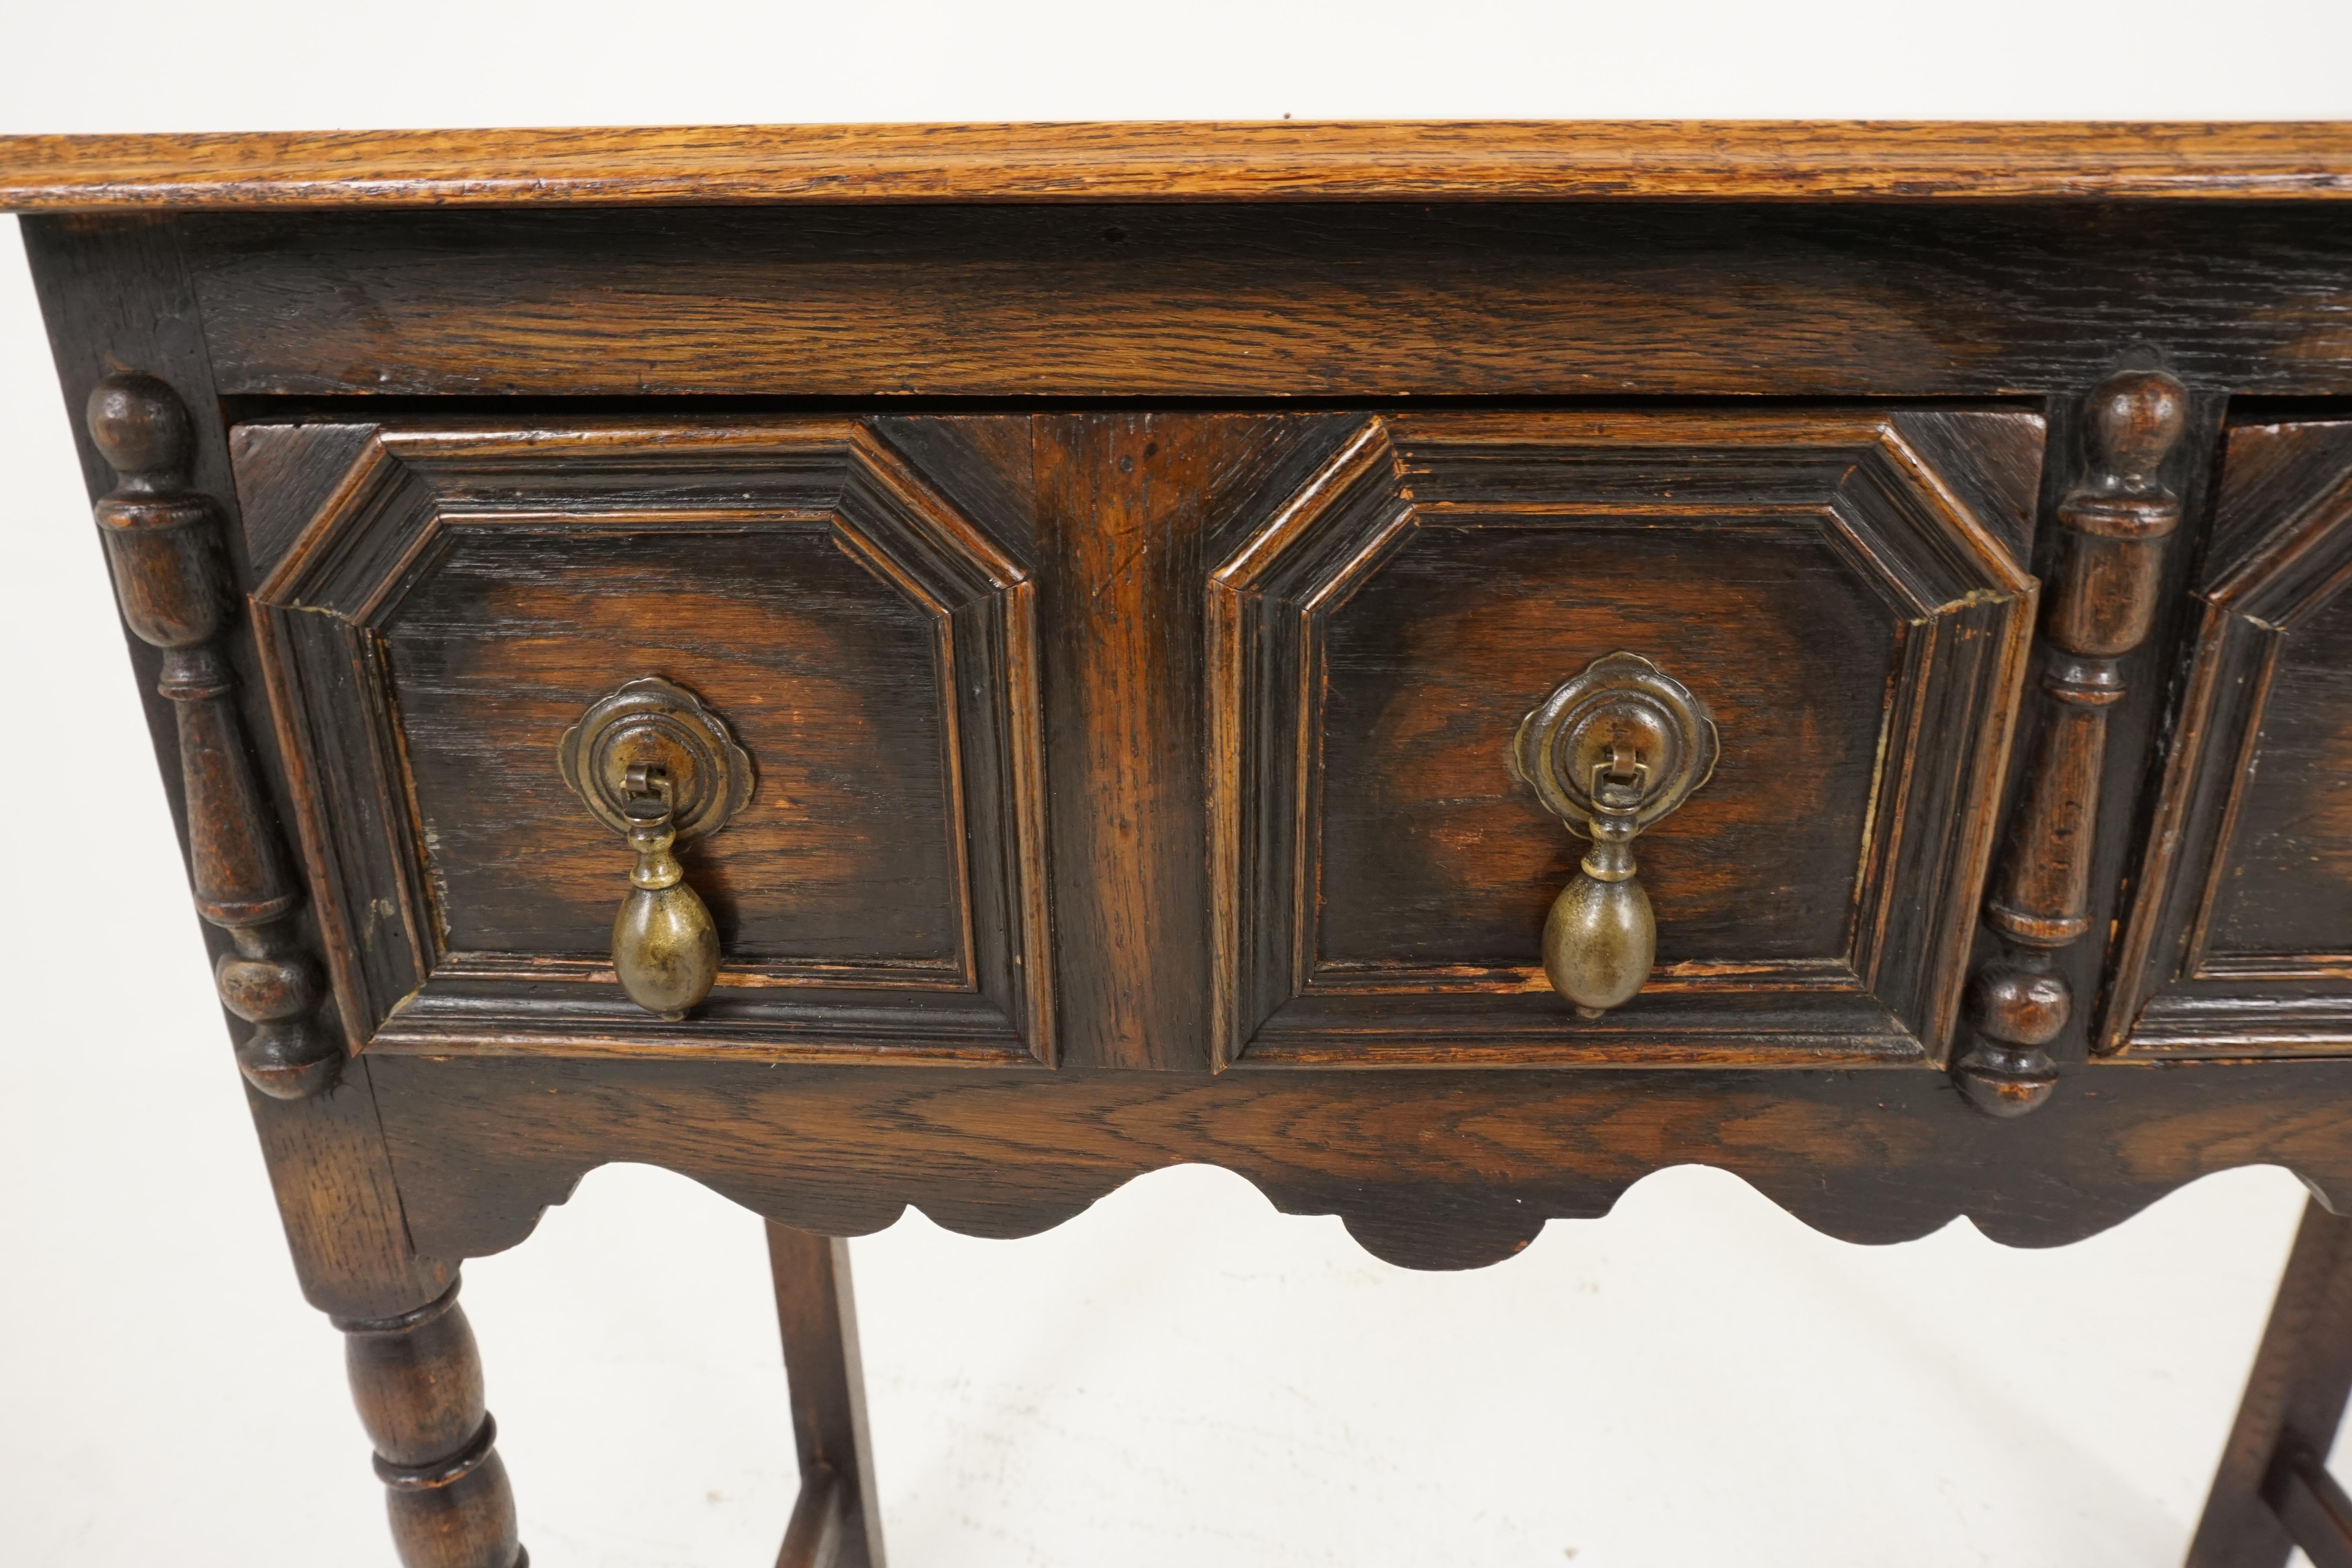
663	725
1621	701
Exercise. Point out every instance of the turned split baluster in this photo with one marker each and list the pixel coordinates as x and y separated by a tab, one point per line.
2114	525
163	540
415	1376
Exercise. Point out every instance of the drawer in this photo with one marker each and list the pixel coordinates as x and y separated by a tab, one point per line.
1844	591
2239	942
444	606
440	604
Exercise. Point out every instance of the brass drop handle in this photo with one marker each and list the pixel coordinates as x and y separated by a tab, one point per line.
1611	753
650	760
1600	938
665	947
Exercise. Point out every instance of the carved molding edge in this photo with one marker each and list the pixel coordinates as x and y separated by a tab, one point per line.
163	544
2115	525
484	1146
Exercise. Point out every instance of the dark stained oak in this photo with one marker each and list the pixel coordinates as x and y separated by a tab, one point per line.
2114	525
1430	1167
418	1380
1592	299
1130	506
163	543
838	1521
2289	890
1124	554
872	649
2314	1508
823	668
1855	615
2270	1490
122	299
2240	936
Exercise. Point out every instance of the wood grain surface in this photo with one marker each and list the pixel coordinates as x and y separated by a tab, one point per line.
1183	160
836	1521
1431	1169
2115	525
417	1382
1130	506
2289	886
121	299
871	648
1577	300
1342	314
2240	936
961	478
1852	613
2293	1402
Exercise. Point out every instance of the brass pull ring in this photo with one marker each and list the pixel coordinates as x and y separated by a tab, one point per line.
652	761
1611	754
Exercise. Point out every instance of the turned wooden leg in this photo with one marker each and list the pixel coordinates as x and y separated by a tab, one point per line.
836	1523
2271	1491
417	1379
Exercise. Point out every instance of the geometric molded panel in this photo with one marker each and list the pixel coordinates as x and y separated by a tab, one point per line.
1843	589
441	602
2239	939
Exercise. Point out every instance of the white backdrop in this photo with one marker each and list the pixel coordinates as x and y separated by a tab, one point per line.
1179	1375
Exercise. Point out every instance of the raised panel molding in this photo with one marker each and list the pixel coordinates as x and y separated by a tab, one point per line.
1908	526
883	897
2259	715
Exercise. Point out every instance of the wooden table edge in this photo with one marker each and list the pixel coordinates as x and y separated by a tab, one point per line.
1177	161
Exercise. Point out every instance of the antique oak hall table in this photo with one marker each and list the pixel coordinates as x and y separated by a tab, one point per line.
1442	668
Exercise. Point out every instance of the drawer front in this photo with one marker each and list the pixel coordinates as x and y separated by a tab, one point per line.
2239	942
439	603
1843	590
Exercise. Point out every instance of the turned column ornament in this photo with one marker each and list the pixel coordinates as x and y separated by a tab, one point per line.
2112	529
163	543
